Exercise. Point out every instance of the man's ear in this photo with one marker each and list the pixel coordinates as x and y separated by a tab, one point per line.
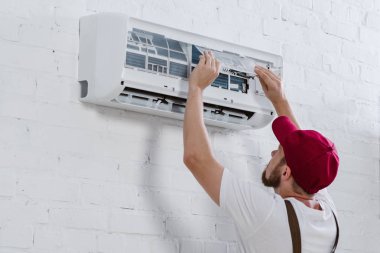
286	172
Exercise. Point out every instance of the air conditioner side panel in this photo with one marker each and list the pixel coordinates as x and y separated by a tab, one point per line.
102	53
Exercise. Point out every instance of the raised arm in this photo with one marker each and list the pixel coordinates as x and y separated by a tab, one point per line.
272	87
198	155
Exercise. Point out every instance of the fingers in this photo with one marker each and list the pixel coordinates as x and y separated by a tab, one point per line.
260	70
209	58
273	75
213	62
206	58
263	84
208	62
217	65
267	72
263	76
202	60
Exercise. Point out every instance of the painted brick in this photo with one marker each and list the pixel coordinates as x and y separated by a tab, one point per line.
77	177
369	36
187	246
115	243
306	4
48	188
81	218
163	201
79	240
341	30
298	16
214	247
373	20
361	54
48	238
322	6
123	196
191	227
368	74
16	235
124	221
23	212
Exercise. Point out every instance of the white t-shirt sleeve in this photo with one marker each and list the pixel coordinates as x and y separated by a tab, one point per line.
246	202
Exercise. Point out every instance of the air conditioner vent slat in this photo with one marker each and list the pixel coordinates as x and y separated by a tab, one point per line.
157	61
177	69
221	81
136	60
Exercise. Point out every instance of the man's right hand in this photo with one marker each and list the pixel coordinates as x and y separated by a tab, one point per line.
271	84
272	87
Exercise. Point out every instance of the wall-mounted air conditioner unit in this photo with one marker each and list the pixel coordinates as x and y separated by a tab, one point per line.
136	65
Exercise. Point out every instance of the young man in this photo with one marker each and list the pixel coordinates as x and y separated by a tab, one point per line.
304	164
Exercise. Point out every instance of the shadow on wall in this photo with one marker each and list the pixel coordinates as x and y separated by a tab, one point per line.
156	195
156	199
150	198
178	220
175	223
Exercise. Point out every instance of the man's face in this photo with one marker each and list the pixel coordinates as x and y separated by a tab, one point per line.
271	176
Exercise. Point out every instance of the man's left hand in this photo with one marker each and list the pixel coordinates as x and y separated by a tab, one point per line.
205	72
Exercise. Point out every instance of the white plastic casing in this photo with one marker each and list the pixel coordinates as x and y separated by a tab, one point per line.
107	79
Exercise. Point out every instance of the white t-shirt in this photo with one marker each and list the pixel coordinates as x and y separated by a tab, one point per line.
261	219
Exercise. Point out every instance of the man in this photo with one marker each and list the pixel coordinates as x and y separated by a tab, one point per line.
304	164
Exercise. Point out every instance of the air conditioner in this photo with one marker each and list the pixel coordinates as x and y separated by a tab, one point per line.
132	64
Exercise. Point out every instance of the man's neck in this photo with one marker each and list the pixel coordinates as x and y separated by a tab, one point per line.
306	200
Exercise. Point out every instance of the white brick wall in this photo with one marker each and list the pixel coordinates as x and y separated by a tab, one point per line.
81	178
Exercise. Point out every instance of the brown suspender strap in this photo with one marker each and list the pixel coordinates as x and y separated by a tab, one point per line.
295	228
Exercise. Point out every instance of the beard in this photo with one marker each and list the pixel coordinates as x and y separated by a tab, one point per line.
274	178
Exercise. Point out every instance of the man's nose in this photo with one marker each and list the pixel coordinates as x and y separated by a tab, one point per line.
273	152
